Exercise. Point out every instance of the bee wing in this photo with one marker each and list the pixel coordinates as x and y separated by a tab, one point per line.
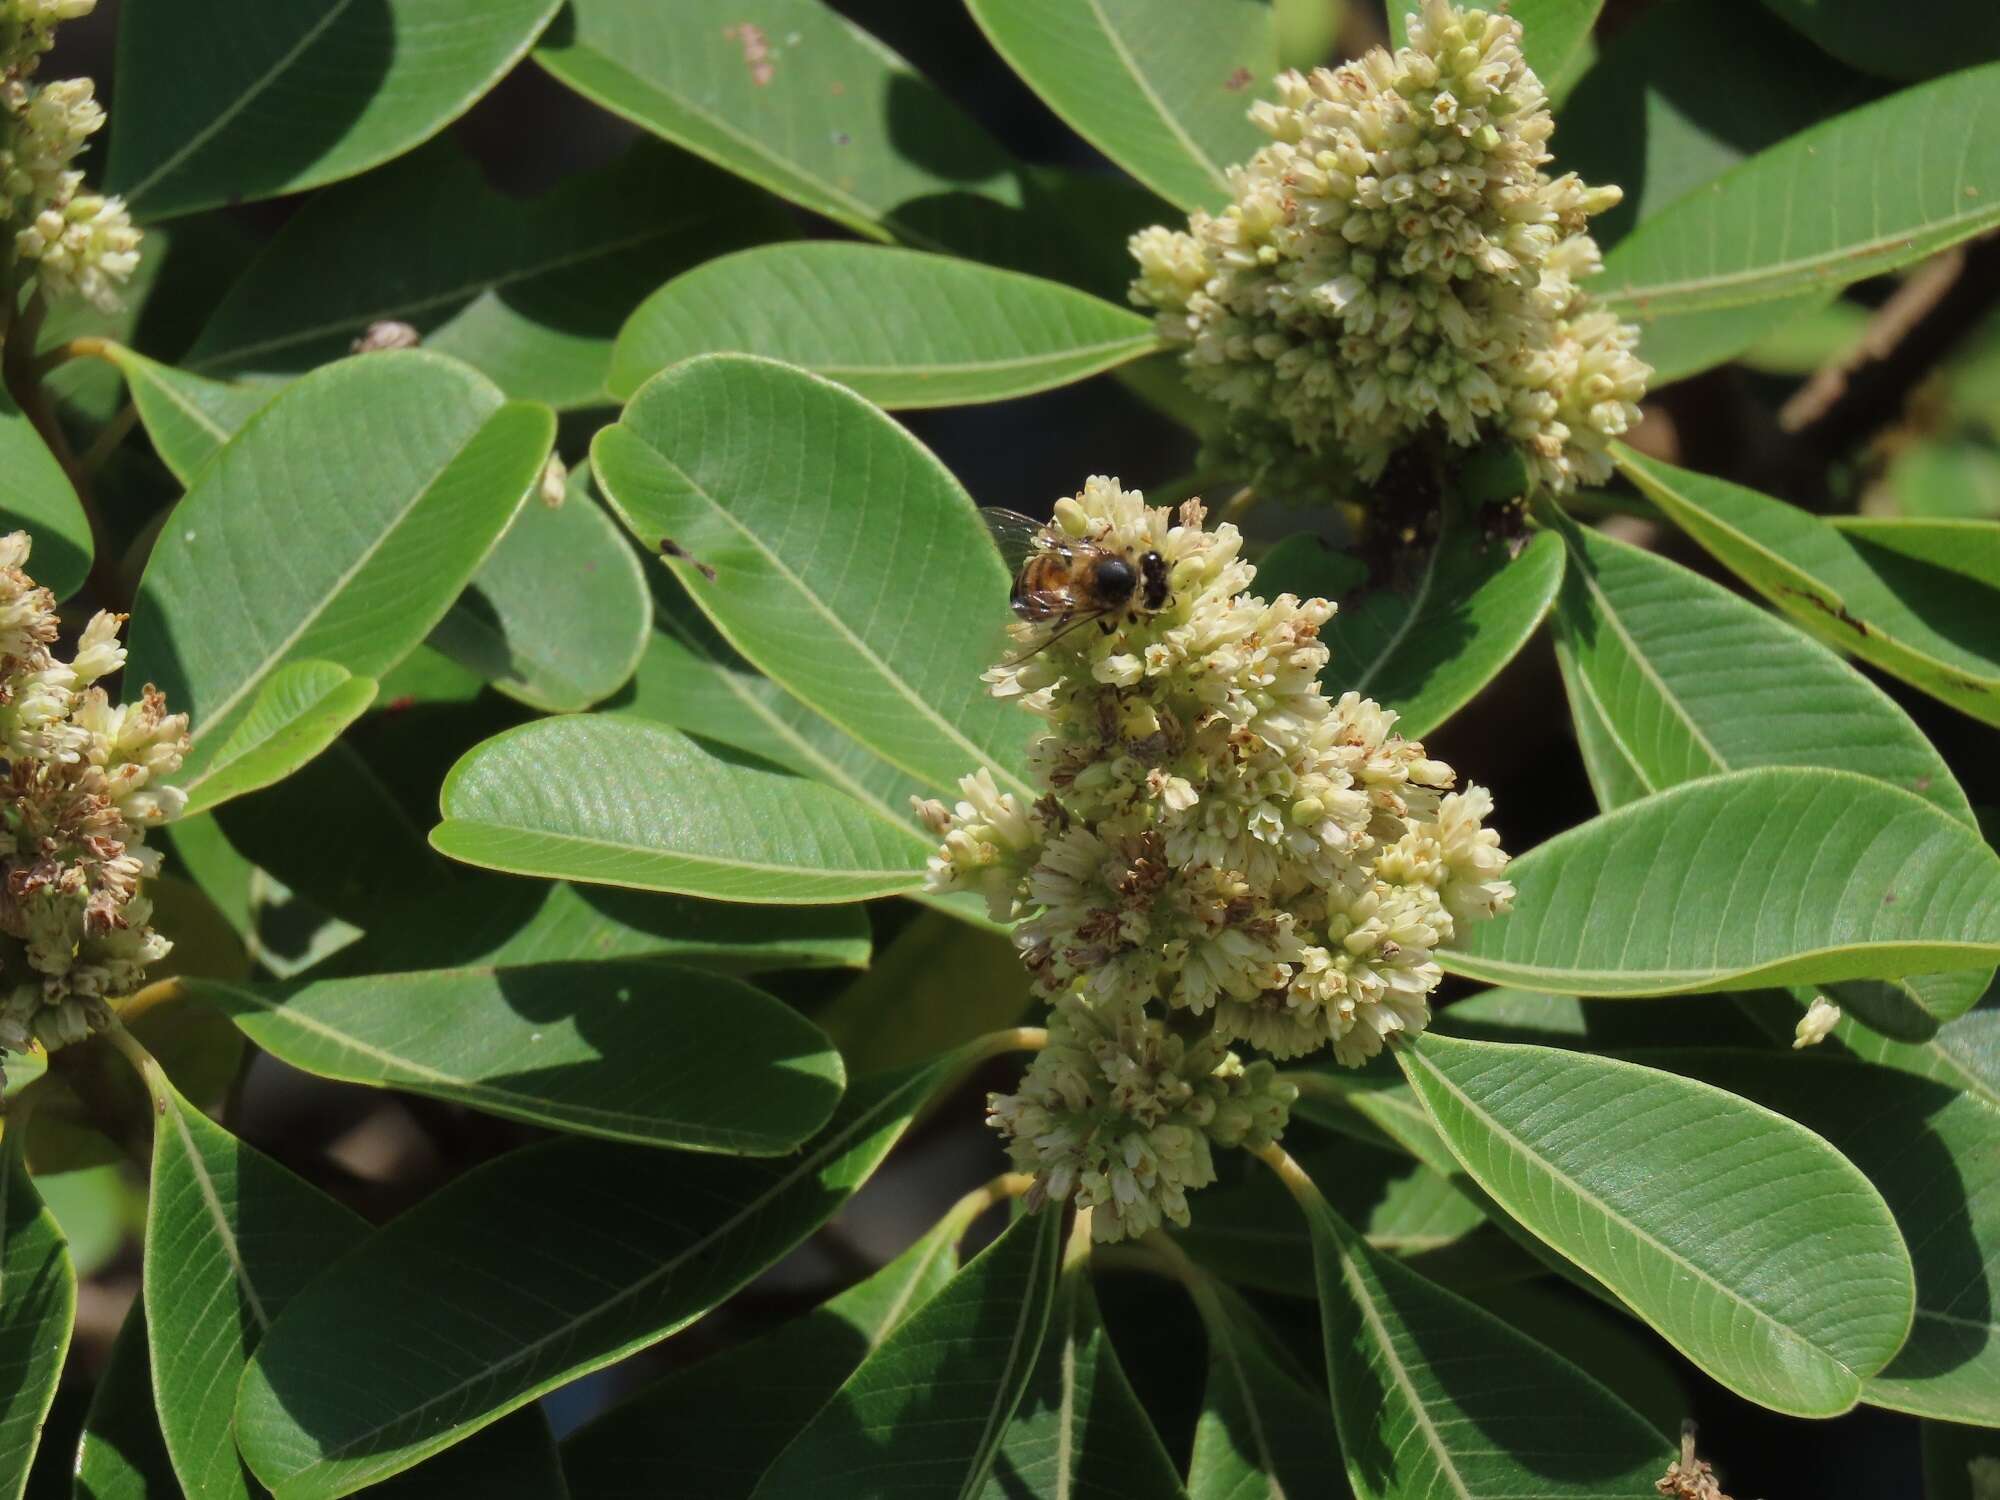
1019	537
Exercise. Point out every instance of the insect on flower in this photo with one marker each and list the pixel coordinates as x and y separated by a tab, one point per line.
1068	581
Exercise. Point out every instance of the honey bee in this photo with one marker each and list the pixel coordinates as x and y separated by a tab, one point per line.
1068	581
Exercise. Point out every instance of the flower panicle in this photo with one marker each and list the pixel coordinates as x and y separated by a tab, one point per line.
1398	261
86	779
1220	856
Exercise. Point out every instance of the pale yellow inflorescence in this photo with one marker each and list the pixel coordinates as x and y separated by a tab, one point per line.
1397	262
85	781
75	243
1221	855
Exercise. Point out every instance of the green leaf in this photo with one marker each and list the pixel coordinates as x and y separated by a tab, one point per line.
557	617
1744	1240
1869	191
692	680
832	536
189	417
121	1455
1079	1429
662	1440
1263	1433
41	501
1426	639
939	984
437	1326
529	291
1682	95
37	1309
1673	677
795	98
1919	599
224	100
946	1383
618	802
900	327
1434	1396
1163	90
1865	35
337	526
1740	881
631	1051
299	710
1934	1155
501	922
231	1239
1551	30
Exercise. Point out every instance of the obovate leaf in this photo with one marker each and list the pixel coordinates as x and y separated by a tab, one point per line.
1674	677
557	617
795	98
946	1382
41	501
900	327
1079	1428
530	292
1746	1241
1866	36
1879	187
189	417
821	539
1434	1396
1741	881
437	1326
619	802
627	1050
1919	599
338	526
231	1238
662	1440
1934	1155
1551	30
1163	90
295	98
37	1309
1425	640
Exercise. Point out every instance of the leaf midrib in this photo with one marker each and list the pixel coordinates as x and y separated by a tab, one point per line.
906	872
1068	354
1523	1152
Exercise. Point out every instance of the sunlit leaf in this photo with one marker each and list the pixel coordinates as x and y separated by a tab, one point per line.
189	417
1164	90
1634	1176
631	1051
1742	881
223	100
898	326
820	538
620	802
1919	599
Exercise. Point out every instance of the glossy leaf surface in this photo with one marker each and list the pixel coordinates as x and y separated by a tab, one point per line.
1919	599
223	100
619	802
1774	876
898	326
299	710
834	539
631	1051
338	526
442	1327
1165	92
1631	1175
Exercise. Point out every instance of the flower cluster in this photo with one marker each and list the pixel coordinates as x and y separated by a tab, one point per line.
1397	261
1220	855
84	781
75	242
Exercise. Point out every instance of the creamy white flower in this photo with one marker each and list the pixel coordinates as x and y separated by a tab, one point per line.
1817	1024
1397	261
